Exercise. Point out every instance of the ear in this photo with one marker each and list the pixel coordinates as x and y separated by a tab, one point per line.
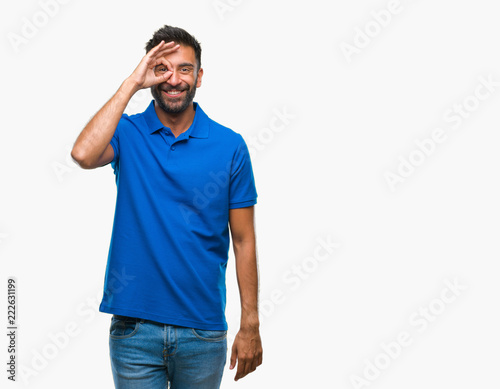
200	76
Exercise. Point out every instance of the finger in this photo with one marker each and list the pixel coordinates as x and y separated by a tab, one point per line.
163	77
160	50
158	57
161	63
157	47
162	44
166	49
152	55
234	354
241	371
164	74
164	61
170	46
253	364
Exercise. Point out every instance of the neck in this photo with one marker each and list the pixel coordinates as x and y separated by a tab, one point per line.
177	122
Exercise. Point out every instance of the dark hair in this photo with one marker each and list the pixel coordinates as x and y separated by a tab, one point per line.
179	36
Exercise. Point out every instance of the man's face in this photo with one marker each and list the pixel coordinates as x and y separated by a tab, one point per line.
177	93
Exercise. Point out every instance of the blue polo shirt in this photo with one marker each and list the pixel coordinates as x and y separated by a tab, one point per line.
170	241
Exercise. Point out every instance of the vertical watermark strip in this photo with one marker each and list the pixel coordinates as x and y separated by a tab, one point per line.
11	328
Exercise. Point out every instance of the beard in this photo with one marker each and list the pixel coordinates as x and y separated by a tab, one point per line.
174	105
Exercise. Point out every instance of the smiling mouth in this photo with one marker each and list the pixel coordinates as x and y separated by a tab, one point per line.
173	93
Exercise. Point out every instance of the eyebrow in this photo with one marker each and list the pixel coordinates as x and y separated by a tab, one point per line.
182	65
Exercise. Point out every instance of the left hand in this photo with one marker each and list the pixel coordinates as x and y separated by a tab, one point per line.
247	350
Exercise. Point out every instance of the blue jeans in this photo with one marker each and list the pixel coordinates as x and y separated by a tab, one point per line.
150	355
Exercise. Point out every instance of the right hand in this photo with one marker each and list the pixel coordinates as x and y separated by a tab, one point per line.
144	75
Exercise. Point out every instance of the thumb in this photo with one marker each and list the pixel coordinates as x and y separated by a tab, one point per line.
166	76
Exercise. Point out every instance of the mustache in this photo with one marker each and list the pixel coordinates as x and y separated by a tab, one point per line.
168	89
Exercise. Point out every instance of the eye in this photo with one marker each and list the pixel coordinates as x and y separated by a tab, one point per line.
161	69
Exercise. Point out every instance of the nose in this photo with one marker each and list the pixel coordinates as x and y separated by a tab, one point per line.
174	79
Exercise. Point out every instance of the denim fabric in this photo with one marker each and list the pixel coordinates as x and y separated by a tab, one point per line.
150	355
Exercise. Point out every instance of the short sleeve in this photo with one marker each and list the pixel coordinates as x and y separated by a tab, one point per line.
115	143
242	191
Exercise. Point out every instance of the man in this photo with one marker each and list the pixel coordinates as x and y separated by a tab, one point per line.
182	181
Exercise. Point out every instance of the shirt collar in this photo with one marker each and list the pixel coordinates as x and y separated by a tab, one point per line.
197	129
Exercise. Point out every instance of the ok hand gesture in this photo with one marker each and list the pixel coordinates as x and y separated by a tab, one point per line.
144	75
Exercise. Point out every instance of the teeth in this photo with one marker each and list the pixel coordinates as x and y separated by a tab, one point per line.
172	92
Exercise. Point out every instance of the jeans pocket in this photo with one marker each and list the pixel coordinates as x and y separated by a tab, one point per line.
209	336
123	327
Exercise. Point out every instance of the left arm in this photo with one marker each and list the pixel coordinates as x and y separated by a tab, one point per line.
247	346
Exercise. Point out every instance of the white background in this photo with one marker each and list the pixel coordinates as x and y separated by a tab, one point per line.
355	117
